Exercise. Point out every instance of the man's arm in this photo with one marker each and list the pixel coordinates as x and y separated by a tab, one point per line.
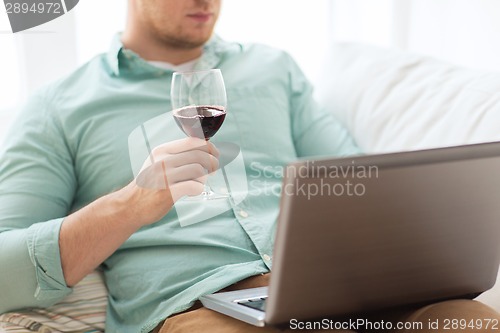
316	132
37	183
91	235
43	251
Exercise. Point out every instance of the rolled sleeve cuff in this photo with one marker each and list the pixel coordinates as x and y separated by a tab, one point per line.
43	247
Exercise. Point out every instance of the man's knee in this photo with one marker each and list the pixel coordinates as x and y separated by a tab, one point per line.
456	309
456	316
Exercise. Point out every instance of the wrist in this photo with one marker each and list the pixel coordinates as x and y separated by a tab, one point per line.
139	207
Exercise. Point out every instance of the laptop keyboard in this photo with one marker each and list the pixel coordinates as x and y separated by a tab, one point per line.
256	303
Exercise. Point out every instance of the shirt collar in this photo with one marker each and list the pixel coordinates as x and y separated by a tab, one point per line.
120	59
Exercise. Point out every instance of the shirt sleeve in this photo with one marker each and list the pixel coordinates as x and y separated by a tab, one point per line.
316	132
37	185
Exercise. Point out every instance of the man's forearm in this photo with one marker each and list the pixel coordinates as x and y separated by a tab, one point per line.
90	235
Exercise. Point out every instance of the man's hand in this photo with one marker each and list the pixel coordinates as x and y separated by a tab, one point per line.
180	166
173	170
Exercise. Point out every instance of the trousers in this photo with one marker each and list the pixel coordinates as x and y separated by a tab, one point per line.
464	316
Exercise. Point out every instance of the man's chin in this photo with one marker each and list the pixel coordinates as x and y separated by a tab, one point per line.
187	43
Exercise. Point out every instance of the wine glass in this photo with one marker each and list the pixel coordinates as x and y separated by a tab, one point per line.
199	108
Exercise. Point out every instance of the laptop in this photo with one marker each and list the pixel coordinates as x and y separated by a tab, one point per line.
361	234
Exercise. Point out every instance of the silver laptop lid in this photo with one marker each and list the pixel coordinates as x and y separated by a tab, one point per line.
363	233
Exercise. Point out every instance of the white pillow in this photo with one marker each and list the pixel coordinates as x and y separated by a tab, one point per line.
392	100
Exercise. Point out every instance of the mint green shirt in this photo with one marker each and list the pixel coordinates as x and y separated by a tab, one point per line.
70	145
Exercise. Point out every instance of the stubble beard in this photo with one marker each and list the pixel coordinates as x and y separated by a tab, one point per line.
177	38
182	42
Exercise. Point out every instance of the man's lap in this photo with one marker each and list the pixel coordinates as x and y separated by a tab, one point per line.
208	321
422	319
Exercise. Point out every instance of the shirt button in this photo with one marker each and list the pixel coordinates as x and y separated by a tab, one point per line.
243	214
266	257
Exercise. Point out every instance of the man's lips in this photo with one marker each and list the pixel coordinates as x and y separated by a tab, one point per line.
200	17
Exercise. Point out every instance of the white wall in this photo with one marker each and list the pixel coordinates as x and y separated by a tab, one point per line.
34	57
363	21
9	65
464	32
31	59
46	53
96	28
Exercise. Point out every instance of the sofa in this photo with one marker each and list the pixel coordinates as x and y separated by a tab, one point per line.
389	99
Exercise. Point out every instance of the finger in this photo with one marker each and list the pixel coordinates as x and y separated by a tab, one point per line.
212	149
186	144
185	173
190	188
160	176
208	161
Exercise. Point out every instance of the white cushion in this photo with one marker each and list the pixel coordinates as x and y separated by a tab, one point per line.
392	100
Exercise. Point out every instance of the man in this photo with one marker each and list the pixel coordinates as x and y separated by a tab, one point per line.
70	202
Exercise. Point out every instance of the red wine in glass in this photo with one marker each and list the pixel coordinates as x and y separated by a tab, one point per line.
199	102
201	121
